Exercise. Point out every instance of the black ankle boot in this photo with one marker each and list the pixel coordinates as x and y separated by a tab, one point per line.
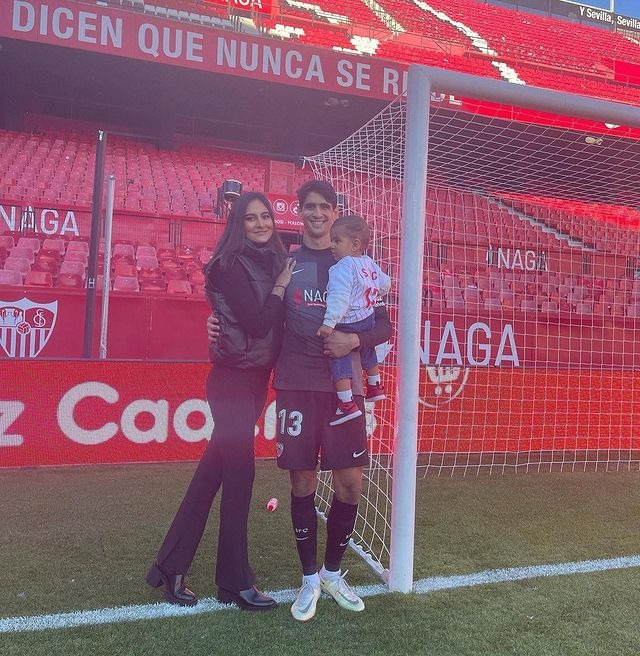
175	591
251	599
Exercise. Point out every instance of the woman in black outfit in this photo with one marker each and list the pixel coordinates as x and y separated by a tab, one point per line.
245	283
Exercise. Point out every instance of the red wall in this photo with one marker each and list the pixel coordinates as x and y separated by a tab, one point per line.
141	326
166	327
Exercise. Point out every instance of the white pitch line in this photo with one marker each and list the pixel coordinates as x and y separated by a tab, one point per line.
424	586
521	573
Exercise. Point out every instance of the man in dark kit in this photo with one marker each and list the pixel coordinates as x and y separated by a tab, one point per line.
305	404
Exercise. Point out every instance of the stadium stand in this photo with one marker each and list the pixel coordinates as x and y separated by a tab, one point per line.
52	162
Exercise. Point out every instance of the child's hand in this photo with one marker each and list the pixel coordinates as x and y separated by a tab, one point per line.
324	331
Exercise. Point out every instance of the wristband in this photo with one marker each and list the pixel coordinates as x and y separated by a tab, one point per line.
283	286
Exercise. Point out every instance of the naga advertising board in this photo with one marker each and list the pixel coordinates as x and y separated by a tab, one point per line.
71	413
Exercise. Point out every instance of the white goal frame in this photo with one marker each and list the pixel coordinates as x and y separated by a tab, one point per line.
422	80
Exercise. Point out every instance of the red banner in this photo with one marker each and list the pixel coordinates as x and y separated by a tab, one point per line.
484	410
59	413
139	36
54	413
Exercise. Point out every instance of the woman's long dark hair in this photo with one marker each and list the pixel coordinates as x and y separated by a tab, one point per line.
233	239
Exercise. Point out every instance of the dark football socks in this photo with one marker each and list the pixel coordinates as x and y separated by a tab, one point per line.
340	523
305	528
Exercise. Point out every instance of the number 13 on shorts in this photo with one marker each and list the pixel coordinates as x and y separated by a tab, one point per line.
290	422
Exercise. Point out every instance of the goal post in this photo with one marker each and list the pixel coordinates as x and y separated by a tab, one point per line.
414	166
405	451
421	81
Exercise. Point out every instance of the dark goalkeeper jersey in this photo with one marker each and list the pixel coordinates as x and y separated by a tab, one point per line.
301	364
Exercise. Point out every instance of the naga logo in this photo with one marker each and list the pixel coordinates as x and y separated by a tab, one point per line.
479	346
25	327
443	385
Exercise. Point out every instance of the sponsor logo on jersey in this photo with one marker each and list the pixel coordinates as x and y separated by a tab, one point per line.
314	298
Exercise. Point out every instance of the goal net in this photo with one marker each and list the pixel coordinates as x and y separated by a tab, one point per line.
530	308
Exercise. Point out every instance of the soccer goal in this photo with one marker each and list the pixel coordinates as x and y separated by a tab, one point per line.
515	256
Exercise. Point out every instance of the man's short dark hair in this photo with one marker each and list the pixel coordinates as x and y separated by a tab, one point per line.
355	227
322	187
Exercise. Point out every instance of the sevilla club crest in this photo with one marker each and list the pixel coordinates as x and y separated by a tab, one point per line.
25	327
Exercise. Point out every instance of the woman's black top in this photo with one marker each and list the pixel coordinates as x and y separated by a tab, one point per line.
251	317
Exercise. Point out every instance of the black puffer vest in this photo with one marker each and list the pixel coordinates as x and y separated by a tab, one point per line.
234	347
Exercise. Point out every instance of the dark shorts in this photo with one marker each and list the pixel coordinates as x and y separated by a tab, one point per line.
303	433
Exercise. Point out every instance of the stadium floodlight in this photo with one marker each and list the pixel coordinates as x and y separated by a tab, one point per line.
454	228
231	190
226	196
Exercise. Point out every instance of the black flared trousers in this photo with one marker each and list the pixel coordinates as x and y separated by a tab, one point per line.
236	398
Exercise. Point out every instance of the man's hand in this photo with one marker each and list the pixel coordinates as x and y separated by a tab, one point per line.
324	331
213	328
338	344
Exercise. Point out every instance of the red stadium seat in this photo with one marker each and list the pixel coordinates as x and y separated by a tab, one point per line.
146	251
73	268
58	245
20	264
49	254
78	246
153	285
7	241
10	277
150	273
601	309
185	252
124	269
24	252
70	280
77	256
38	279
147	262
617	309
170	263
492	304
165	252
123	250
182	287
584	309
528	305
175	274
126	284
196	277
633	310
29	242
